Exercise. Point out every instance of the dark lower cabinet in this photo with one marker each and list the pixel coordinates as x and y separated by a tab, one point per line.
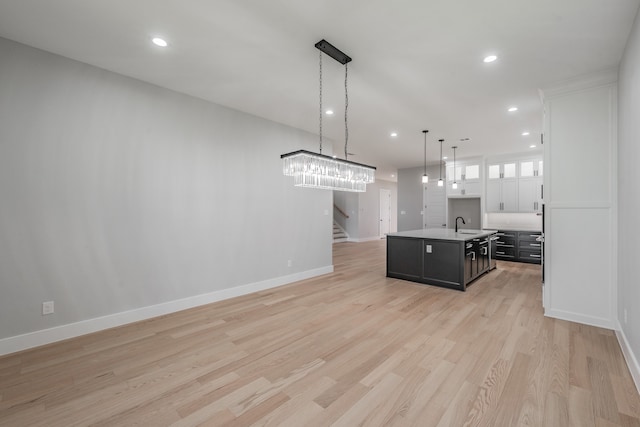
436	262
520	246
404	258
447	263
441	262
530	256
483	254
469	263
529	247
506	245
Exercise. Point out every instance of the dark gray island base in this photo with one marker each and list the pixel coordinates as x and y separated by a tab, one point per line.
439	256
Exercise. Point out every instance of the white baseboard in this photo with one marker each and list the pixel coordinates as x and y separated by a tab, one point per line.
629	357
59	333
364	239
580	318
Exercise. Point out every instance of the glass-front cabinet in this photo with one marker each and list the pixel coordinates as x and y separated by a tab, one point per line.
467	177
505	170
514	185
530	168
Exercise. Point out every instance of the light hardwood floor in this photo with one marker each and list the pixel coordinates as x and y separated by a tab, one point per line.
346	349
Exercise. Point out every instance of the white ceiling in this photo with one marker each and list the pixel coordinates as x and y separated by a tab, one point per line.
417	64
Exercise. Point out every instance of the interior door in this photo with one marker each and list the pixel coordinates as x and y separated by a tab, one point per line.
434	202
385	212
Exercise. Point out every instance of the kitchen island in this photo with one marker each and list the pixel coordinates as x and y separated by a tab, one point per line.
439	256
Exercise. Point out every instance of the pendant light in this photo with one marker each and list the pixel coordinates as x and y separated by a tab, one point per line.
440	181
327	172
425	177
455	184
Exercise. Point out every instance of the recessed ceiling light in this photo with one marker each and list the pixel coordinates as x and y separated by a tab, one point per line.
532	146
444	158
512	109
525	133
159	42
490	58
393	176
329	112
394	134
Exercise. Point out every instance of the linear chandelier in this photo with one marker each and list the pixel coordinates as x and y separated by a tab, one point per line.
328	172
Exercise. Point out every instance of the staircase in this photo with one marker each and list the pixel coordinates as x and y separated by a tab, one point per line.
339	234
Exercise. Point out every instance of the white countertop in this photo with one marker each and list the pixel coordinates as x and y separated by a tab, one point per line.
513	227
444	234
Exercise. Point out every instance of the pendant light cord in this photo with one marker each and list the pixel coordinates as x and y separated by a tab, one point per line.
454	163
441	141
425	151
346	108
320	102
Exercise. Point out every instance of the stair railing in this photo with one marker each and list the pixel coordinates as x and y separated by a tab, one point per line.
344	214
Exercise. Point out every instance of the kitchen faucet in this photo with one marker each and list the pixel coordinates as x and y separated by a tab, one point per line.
457	222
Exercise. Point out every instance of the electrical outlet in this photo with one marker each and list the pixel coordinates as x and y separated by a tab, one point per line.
625	316
469	220
289	263
47	308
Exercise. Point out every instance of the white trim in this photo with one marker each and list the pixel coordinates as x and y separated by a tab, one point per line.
579	205
47	336
600	322
576	84
629	357
613	217
365	239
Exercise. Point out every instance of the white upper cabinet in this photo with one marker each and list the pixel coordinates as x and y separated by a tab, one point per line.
514	186
502	195
502	187
467	178
505	170
530	168
530	186
530	194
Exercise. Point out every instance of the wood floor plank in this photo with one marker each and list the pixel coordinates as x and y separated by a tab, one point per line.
348	348
580	408
488	397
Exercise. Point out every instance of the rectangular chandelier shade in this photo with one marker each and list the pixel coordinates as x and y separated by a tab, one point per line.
325	172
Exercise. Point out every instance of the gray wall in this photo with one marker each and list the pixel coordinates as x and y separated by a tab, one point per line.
364	210
629	196
410	195
369	209
116	194
348	202
467	208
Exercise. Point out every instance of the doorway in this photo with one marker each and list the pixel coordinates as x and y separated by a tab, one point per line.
385	212
434	205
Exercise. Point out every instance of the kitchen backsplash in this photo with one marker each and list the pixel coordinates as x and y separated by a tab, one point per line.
512	221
